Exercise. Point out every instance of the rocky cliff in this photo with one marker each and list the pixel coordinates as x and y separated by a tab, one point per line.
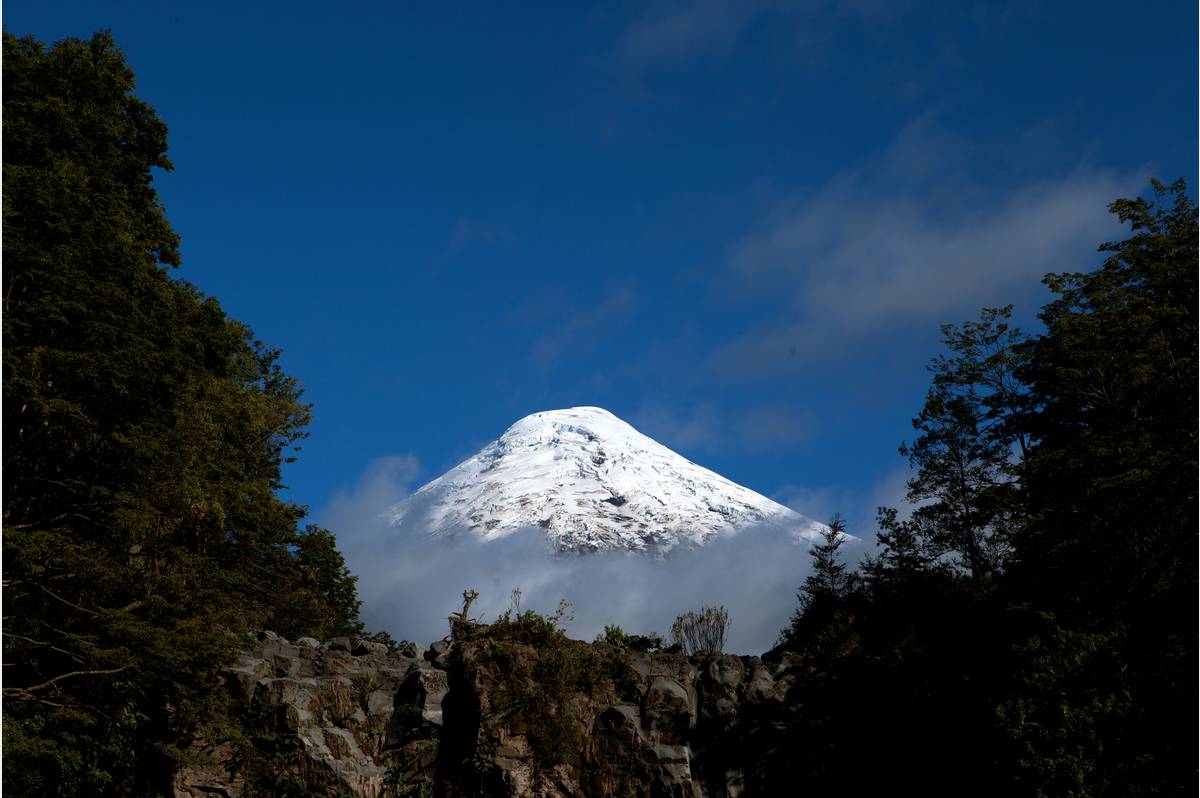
506	715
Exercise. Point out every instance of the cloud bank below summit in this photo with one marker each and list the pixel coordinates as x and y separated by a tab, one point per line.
409	583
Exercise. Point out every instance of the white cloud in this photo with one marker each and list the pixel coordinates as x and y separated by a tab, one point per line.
352	514
818	503
685	30
409	583
772	426
892	491
467	233
689	427
412	583
581	331
705	426
858	507
861	262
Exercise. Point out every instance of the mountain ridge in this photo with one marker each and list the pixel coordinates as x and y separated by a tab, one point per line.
593	483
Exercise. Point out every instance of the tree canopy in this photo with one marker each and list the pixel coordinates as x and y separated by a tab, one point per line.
1040	599
145	433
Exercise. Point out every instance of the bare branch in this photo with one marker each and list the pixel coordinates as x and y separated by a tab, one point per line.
54	595
130	607
18	692
41	644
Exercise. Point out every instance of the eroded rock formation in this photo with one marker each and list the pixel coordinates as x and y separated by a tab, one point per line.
488	717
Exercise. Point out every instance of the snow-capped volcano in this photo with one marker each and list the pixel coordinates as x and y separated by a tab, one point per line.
593	483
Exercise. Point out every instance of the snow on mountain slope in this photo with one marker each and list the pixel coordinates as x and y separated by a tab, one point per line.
593	483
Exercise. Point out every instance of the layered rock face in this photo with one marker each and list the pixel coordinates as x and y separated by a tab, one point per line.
322	720
486	718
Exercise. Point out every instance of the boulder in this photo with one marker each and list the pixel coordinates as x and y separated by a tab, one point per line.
370	647
438	654
343	644
668	711
213	775
410	650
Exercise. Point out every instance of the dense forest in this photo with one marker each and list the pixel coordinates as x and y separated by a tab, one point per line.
144	432
1031	628
1028	629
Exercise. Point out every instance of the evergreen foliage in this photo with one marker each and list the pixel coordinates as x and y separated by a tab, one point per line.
828	581
825	591
971	446
329	587
904	554
617	637
1113	484
1031	629
145	433
1110	546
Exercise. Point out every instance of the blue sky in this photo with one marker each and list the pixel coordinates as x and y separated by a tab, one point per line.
737	225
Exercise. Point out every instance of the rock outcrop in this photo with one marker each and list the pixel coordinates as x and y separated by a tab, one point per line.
488	717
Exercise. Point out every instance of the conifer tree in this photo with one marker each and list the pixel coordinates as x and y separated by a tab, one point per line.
1112	484
971	446
825	589
1109	553
828	581
904	553
145	433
